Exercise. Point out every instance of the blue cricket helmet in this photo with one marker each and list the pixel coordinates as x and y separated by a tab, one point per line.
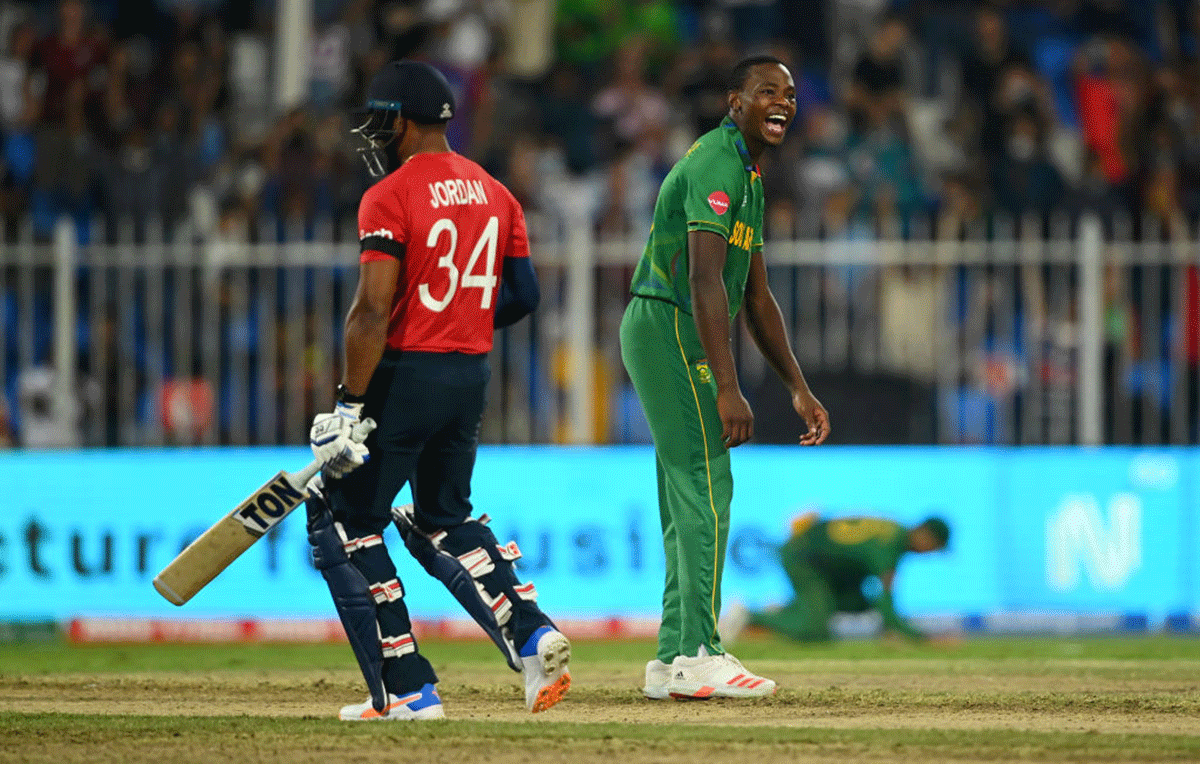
410	89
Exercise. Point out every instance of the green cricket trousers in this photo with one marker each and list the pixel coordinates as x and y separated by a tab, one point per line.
807	617
670	373
819	595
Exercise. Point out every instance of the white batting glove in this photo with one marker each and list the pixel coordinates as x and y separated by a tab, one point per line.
334	441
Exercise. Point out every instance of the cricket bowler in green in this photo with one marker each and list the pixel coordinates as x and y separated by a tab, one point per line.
702	265
828	562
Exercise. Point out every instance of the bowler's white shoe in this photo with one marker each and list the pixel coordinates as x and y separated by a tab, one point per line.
544	659
715	676
658	676
422	704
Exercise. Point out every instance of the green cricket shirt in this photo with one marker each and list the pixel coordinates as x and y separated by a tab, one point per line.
853	547
849	550
715	187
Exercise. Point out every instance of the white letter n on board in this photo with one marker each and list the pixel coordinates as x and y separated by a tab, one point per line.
1078	539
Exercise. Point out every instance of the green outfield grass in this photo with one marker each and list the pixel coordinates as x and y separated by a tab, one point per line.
62	657
1068	699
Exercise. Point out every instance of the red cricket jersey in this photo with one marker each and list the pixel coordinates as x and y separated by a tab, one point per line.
451	225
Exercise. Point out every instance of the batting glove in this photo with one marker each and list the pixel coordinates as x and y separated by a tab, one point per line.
335	442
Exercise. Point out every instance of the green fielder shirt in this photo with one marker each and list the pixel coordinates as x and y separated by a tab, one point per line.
854	547
715	187
849	550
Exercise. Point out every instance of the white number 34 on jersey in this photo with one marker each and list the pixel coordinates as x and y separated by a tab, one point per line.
470	279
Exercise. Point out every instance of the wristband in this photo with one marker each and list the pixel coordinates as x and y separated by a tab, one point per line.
345	396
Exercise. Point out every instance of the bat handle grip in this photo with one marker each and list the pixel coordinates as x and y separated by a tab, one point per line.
362	429
300	478
358	434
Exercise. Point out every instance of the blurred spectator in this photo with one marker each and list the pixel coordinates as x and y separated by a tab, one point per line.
361	38
462	31
635	114
984	67
118	113
705	86
805	25
1135	21
522	175
635	110
65	176
568	121
174	164
824	172
249	88
781	190
877	94
752	22
883	170
20	162
290	190
72	56
1161	201
589	31
335	172
15	83
331	62
960	206
130	180
659	23
1108	92
1024	180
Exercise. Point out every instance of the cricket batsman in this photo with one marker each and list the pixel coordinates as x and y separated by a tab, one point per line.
828	562
702	265
445	259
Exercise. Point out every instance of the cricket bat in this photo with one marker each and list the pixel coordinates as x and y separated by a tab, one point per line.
237	531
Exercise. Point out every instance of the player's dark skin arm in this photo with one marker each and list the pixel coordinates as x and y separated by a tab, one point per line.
887	580
765	322
367	321
891	619
710	311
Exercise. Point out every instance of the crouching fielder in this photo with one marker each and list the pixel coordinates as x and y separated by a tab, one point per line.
444	259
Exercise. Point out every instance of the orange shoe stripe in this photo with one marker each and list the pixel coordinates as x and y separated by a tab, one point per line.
551	694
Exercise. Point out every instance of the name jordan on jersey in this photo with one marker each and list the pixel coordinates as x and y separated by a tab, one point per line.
455	191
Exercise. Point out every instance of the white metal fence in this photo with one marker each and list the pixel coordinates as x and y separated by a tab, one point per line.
1083	336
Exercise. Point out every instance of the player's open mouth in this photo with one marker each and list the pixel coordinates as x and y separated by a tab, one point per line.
776	125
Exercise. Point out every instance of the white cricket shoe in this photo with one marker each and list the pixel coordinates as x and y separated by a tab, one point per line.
715	676
544	660
422	704
658	676
734	621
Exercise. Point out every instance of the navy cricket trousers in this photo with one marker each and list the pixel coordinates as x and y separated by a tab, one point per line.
428	408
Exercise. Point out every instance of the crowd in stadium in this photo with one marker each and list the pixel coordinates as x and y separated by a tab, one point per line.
916	118
165	109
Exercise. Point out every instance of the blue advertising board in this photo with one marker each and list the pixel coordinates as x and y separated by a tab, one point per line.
1072	530
1097	530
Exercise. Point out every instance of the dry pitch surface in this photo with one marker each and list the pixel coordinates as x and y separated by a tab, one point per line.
1091	700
